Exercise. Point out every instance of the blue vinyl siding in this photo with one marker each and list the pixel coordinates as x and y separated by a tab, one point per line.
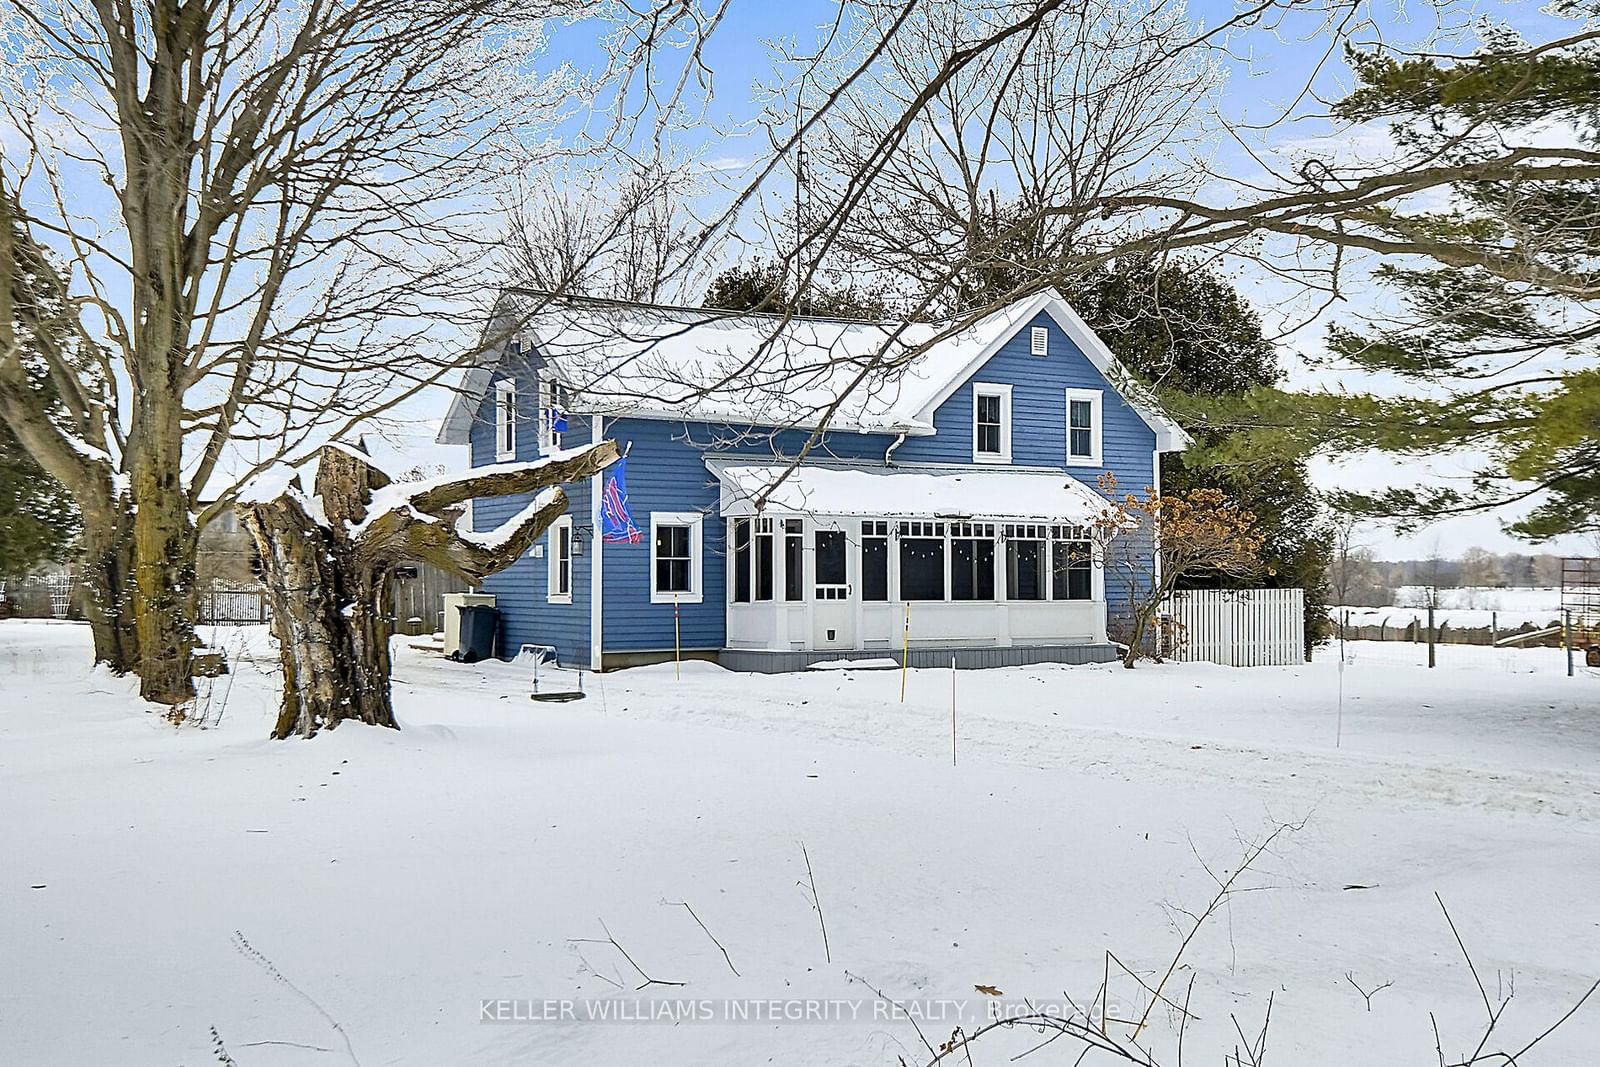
1039	414
667	473
1039	421
526	616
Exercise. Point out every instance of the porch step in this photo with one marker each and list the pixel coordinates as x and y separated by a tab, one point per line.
854	665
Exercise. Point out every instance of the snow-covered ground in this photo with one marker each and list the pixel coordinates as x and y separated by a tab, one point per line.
1467	606
159	882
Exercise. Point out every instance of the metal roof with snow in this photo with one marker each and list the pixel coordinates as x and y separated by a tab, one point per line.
905	492
709	365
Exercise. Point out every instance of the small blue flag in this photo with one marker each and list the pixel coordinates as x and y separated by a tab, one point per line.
616	525
558	420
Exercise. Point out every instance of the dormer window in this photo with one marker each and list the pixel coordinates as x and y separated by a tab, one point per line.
505	420
1040	341
991	423
1083	427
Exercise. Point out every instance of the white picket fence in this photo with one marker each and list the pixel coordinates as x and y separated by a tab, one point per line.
1235	627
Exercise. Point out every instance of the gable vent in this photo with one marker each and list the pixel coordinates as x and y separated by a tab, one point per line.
1041	341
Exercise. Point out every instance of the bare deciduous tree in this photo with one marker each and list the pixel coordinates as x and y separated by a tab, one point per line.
972	155
270	221
1194	532
599	234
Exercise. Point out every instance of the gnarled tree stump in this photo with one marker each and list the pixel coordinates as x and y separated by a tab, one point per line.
327	560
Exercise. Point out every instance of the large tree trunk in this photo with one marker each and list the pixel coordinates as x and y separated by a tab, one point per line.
331	618
327	566
108	582
165	600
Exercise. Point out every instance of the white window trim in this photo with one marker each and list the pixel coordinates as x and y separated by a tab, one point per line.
1004	393
553	561
693	520
1096	397
549	439
505	420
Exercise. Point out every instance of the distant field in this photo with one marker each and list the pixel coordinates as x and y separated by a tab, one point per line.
1468	606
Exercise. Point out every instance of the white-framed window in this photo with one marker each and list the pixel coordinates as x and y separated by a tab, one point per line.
991	423
558	561
505	419
1083	427
675	557
753	560
1072	564
552	414
1027	545
1039	341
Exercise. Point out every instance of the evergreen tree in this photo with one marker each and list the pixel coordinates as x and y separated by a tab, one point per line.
764	286
1188	332
38	522
1500	359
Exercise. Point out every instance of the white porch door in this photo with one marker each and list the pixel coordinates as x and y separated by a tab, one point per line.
833	609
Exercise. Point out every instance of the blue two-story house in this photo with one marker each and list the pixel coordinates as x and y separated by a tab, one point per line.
943	507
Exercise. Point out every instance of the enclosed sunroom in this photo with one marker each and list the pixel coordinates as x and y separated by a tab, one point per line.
852	562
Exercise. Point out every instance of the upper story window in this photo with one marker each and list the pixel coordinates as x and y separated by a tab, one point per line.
505	419
552	414
1039	341
559	587
675	557
1083	427
991	423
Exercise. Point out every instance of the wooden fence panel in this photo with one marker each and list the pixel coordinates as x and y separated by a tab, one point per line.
1235	627
419	591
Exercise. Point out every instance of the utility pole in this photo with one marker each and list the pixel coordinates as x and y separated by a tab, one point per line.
799	189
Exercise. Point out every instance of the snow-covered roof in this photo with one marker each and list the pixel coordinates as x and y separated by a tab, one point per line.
906	492
773	370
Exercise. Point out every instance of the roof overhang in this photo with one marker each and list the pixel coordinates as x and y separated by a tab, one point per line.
1000	327
904	492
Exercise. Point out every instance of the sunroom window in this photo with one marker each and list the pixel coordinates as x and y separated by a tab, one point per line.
875	560
765	563
1025	556
972	561
741	561
794	559
922	561
1072	569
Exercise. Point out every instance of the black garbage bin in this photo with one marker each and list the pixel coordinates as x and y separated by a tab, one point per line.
478	625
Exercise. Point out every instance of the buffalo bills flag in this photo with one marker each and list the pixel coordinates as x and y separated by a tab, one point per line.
616	525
